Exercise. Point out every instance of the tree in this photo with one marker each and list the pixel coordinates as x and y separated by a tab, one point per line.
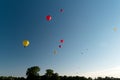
32	73
55	76
99	78
49	72
89	78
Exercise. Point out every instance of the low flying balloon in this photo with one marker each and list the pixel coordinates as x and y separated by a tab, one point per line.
61	41
60	46
48	17
26	43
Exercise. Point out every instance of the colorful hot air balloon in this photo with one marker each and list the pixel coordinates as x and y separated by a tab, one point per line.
26	43
60	46
61	41
48	17
61	10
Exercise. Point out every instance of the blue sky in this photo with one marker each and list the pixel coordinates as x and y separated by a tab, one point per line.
85	25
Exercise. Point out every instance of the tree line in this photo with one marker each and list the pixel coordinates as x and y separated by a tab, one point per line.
32	74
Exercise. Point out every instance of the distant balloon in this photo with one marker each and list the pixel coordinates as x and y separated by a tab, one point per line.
48	17
26	43
61	41
60	46
82	53
61	10
115	29
55	51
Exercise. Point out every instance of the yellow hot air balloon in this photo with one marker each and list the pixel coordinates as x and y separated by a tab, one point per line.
115	29
55	51
26	43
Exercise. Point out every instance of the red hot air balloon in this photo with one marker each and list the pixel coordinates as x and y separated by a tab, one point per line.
61	41
48	17
60	46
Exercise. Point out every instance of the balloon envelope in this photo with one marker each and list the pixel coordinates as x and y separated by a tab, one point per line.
115	29
81	52
48	17
26	43
61	10
55	51
60	46
61	41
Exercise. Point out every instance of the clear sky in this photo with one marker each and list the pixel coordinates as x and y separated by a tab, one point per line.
90	43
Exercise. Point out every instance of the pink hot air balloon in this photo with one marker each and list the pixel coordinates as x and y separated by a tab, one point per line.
61	41
48	17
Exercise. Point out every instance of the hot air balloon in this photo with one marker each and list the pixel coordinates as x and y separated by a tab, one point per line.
48	17
115	29
61	41
61	10
60	46
82	53
55	51
26	43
